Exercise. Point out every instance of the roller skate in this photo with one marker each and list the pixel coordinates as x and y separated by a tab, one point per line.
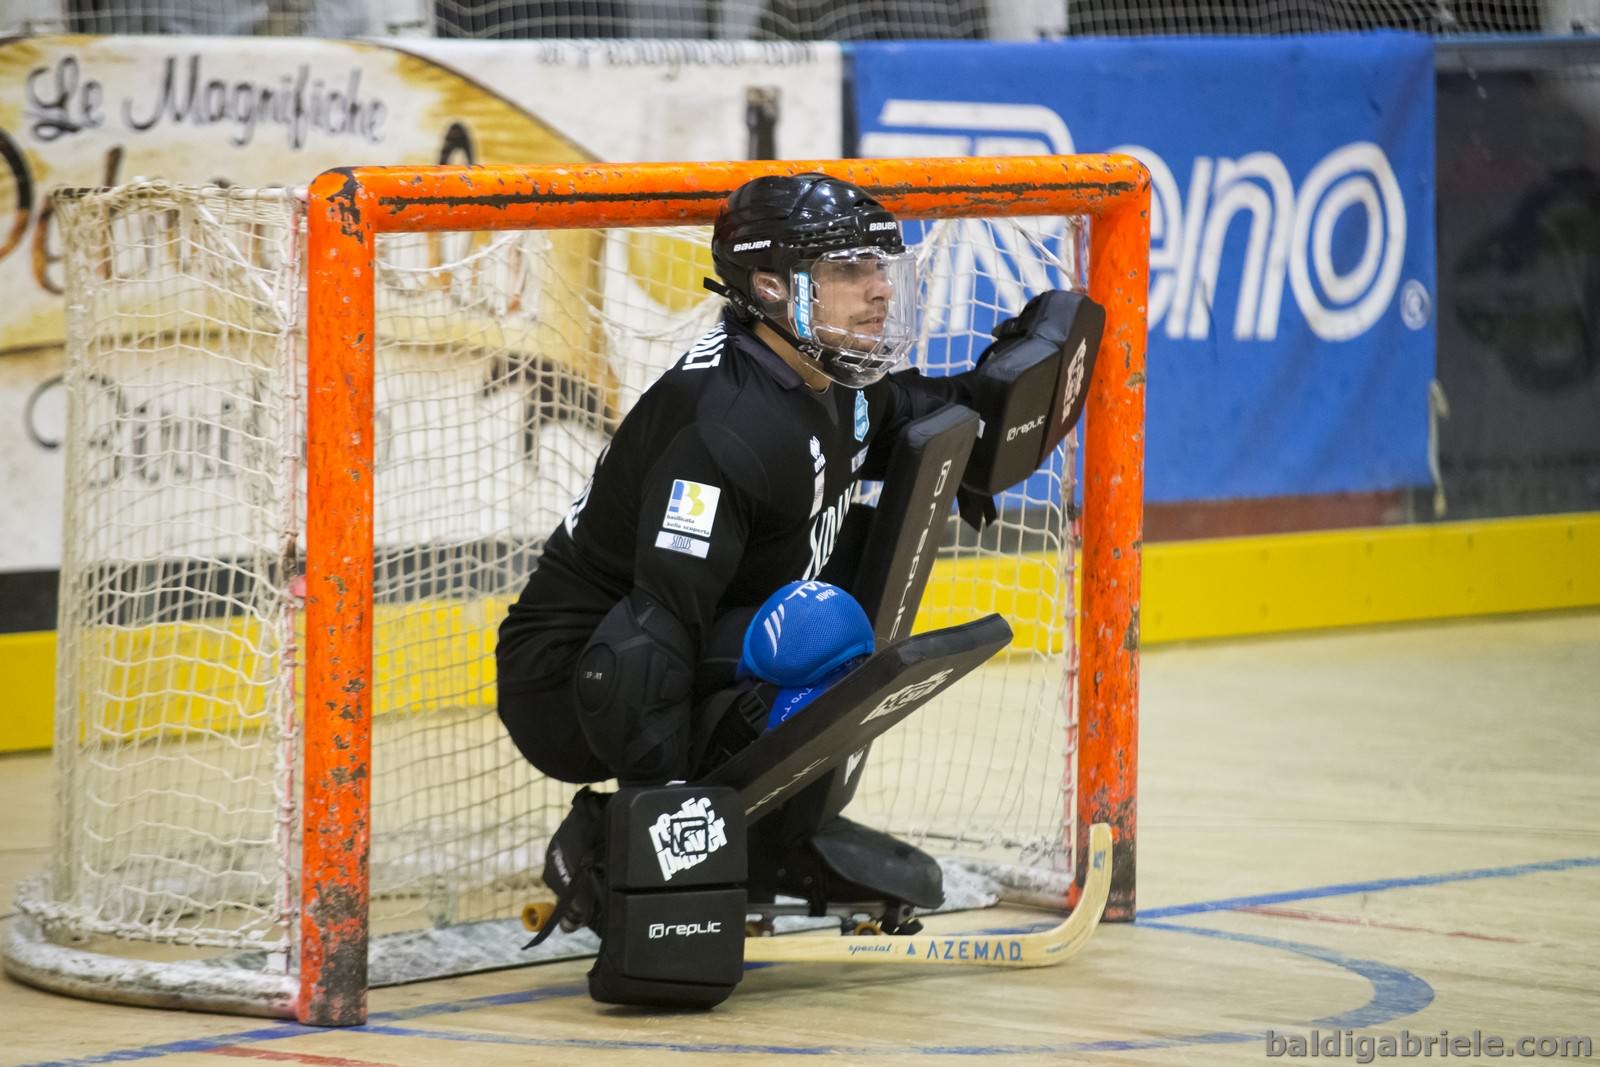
869	881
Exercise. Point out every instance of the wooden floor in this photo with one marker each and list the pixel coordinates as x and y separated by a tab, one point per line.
1380	832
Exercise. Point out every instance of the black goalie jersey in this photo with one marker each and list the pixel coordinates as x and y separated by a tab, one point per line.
728	478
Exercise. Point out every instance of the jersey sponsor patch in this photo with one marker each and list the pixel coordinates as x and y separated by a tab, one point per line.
692	508
862	421
689	546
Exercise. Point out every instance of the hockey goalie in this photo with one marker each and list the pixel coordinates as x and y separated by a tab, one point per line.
714	610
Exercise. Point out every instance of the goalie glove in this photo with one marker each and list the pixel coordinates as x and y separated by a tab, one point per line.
1029	387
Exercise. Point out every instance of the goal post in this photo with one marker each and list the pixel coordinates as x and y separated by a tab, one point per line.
349	207
315	441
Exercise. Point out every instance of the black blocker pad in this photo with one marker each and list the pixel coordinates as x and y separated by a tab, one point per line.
1031	386
895	557
890	685
919	484
672	928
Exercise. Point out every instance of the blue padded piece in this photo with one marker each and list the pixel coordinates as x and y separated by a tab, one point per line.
804	632
789	701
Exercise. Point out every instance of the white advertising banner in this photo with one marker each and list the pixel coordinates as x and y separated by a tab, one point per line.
32	428
254	113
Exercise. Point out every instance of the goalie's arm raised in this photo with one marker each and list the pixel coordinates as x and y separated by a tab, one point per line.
636	675
1030	385
1028	388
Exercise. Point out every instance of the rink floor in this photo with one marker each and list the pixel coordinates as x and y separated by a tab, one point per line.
1393	832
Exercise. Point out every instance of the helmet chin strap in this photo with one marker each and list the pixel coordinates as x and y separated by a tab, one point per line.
811	350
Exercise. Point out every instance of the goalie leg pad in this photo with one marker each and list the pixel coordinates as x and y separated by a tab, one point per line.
895	560
672	929
888	686
1030	386
924	467
633	685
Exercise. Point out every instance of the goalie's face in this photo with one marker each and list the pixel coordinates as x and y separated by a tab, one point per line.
855	307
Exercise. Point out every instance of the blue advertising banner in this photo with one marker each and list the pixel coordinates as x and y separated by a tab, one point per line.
1292	246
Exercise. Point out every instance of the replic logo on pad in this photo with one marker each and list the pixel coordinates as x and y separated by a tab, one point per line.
1027	427
660	930
684	838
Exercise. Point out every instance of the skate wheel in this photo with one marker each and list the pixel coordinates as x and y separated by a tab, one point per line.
534	916
867	928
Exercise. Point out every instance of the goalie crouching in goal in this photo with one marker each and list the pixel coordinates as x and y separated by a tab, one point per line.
699	589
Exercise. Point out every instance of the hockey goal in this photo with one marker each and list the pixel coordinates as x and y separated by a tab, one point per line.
316	440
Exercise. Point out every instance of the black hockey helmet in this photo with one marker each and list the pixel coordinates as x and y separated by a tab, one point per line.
815	234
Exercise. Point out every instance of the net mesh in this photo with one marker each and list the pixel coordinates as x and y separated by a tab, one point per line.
814	20
1437	17
504	362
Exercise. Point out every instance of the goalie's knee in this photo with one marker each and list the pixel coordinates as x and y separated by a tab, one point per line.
633	685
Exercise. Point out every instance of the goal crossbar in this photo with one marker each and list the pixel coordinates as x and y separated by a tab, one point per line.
347	208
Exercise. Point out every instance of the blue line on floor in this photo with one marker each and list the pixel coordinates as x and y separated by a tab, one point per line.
1393	988
1396	993
1348	888
283	1030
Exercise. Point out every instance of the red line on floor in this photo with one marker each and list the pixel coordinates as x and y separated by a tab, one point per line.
292	1057
1351	920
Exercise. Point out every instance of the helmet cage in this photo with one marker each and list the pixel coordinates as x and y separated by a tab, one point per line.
786	226
851	311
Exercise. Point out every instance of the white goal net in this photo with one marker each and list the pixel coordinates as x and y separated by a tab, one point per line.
504	361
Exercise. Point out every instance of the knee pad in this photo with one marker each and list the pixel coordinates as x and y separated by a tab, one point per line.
633	685
803	633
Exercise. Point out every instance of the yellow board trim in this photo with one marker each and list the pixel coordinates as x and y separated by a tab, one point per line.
1238	587
28	665
1193	590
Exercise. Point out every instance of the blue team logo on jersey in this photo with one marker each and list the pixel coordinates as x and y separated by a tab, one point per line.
861	415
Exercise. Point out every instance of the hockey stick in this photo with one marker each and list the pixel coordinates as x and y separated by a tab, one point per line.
1039	949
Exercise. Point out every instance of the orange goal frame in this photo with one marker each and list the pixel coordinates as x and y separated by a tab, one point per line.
349	207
